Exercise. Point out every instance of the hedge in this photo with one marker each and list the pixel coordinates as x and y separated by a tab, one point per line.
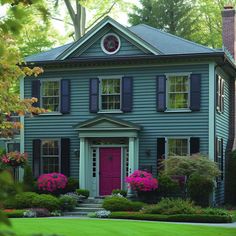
14	213
197	218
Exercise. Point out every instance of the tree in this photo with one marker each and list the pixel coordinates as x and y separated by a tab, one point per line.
175	17
77	10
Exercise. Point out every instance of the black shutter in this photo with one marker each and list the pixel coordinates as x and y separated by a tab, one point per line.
217	92
160	152
65	96
195	92
94	95
222	90
222	159
127	94
216	149
161	93
35	91
194	145
36	157
65	156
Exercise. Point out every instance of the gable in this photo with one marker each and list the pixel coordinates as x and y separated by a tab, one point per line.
93	47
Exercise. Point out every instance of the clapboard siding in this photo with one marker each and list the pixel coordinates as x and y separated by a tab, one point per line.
222	131
154	124
95	50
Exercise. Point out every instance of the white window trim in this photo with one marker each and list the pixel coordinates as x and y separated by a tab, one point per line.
220	95
41	153
100	94
175	137
41	96
102	46
168	75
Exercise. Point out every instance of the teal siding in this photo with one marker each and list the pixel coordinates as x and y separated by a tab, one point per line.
95	50
222	131
154	124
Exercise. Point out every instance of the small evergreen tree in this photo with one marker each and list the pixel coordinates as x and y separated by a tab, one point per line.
28	179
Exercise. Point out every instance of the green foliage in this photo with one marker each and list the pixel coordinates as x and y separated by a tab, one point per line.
25	200
83	192
28	179
119	191
215	212
67	203
15	213
171	207
199	189
167	186
230	179
191	165
198	218
72	185
175	17
46	201
115	203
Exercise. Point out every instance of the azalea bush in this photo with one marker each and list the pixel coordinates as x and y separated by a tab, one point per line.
142	181
52	183
14	159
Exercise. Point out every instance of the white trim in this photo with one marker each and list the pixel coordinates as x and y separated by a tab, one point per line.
102	43
124	31
211	131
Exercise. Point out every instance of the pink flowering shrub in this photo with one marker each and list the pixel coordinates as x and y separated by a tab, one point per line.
14	159
142	181
53	182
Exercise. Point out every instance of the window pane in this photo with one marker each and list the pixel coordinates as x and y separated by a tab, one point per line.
50	164
110	97
178	92
178	147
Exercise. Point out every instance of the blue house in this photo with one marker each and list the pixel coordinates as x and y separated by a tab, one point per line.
119	99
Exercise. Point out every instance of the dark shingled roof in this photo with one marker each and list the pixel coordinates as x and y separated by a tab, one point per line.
165	43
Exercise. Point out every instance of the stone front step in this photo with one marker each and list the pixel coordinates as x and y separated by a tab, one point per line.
90	205
93	201
87	209
75	213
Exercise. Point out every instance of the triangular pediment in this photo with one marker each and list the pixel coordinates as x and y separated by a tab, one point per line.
90	44
103	122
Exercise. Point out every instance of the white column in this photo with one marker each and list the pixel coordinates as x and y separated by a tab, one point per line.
131	155
82	167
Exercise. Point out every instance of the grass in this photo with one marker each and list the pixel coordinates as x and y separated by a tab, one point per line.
77	227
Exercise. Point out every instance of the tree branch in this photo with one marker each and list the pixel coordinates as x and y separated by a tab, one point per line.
101	16
66	22
70	9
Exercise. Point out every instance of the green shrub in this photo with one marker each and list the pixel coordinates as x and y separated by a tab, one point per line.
172	218
28	179
167	186
25	200
72	185
83	192
14	213
119	191
67	203
171	207
46	201
199	188
116	203
215	212
10	203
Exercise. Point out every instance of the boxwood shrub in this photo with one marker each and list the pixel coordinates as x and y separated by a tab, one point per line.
119	191
25	200
83	192
67	203
197	218
115	203
46	201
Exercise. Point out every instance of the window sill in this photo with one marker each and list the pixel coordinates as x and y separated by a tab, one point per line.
115	112
51	114
178	111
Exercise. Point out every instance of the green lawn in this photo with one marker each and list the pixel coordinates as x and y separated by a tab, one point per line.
80	227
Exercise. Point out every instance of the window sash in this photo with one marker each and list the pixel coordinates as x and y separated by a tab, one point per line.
50	101
52	159
110	99
179	142
220	93
178	93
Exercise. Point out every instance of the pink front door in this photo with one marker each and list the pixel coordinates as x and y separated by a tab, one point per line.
110	170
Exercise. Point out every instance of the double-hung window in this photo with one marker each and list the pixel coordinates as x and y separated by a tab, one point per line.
51	95
219	157
220	84
110	93
50	157
178	147
178	87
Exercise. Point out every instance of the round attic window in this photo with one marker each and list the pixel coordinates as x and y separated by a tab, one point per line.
110	44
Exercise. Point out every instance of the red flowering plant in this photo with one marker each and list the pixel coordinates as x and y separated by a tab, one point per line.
14	159
142	181
52	183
